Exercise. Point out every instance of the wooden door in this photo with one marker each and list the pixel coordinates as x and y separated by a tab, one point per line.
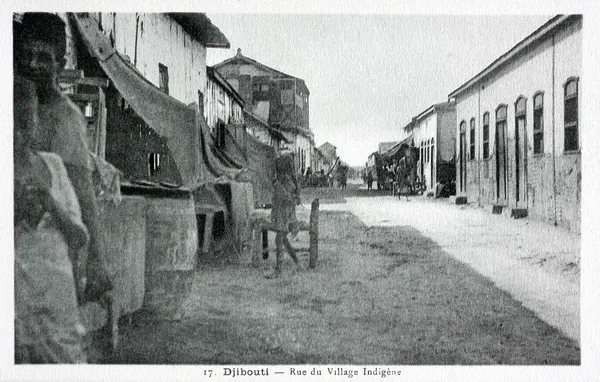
520	163
463	162
501	174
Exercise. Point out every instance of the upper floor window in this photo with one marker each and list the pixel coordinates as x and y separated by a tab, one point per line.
571	115
472	139
264	87
538	123
486	135
163	78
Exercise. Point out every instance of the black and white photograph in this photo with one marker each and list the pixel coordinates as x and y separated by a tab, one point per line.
261	192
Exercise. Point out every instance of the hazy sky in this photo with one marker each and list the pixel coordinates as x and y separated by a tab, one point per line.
368	75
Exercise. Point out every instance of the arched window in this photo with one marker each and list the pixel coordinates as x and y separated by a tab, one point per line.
572	114
520	106
472	139
486	135
501	113
538	123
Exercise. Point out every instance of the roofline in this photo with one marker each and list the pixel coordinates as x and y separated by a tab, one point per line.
331	144
214	74
187	21
253	61
432	109
539	34
272	130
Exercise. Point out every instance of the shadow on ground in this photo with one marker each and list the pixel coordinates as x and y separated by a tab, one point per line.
379	295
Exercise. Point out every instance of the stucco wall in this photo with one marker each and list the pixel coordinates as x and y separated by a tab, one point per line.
525	76
425	131
218	104
160	39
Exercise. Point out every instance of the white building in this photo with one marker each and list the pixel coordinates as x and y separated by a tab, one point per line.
518	127
433	134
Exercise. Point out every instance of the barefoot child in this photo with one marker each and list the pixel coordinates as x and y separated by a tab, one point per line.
283	215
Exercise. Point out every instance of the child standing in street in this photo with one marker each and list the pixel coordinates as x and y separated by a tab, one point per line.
286	196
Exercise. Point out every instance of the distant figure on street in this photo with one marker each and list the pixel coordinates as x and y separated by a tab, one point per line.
369	180
286	196
308	177
343	178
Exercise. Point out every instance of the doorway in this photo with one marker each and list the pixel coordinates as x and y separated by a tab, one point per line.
520	154
501	174
463	157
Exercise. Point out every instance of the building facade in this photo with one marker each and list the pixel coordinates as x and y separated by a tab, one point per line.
433	134
222	106
277	98
518	127
157	50
261	130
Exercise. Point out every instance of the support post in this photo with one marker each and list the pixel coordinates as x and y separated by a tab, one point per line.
256	246
314	234
265	244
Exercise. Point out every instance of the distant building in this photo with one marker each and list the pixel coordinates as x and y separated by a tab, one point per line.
261	130
328	156
277	98
518	127
222	105
384	146
433	134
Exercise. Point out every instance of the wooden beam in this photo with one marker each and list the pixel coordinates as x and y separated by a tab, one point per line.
314	234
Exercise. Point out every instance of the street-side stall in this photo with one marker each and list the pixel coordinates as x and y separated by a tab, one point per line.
151	232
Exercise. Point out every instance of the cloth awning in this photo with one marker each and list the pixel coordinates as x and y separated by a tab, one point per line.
185	131
397	150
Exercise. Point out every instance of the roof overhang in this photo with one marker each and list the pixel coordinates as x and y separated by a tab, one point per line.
536	37
201	28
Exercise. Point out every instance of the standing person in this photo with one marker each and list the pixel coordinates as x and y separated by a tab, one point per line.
369	180
48	228
308	177
40	48
343	177
286	196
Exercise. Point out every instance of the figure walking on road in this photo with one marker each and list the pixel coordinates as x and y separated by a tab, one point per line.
286	196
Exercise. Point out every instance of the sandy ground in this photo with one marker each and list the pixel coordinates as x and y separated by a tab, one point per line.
386	290
537	263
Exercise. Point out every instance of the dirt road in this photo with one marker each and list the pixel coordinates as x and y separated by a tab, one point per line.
380	295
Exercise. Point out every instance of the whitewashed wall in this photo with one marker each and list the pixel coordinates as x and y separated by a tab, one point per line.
160	39
218	104
424	131
525	76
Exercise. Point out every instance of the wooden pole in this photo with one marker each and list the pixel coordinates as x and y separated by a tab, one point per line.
314	234
265	244
256	246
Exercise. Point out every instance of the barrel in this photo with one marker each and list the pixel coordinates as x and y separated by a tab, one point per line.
171	245
123	228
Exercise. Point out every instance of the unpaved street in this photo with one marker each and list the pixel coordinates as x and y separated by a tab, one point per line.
382	293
